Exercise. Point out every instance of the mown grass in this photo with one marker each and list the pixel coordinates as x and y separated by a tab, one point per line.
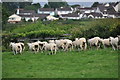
93	63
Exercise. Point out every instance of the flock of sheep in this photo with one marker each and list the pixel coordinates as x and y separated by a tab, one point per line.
66	44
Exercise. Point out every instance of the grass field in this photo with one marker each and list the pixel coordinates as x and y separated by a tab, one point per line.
93	63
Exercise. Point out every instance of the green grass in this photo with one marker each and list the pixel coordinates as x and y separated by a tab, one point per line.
93	63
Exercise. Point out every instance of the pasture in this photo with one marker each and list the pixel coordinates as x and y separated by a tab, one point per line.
102	63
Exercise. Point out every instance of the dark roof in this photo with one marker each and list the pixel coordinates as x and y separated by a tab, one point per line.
70	15
42	16
46	9
109	9
86	8
27	11
64	9
94	14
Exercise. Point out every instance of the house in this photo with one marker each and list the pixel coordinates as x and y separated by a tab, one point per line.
70	16
51	18
64	10
49	11
26	14
86	10
14	18
117	7
107	10
92	15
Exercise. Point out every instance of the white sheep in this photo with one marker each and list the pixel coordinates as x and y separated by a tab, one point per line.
16	48
52	47
68	44
118	41
23	46
96	41
114	42
41	44
60	43
34	46
105	42
81	44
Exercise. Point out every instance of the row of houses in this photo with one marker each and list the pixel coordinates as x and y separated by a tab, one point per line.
103	10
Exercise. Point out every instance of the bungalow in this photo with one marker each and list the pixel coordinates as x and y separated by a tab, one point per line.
70	16
92	15
14	18
51	18
26	14
64	10
50	11
86	10
107	10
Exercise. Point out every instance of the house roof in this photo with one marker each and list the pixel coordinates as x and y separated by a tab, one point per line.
86	8
26	11
64	9
46	9
14	15
94	14
70	15
107	9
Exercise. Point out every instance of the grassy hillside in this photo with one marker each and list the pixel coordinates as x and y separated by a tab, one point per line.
93	63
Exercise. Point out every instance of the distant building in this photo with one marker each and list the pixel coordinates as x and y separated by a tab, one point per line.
70	16
14	18
64	10
92	15
49	11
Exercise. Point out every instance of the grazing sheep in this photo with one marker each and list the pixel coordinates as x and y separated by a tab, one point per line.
51	46
60	43
68	44
80	44
114	42
34	46
51	41
23	46
96	41
16	48
41	44
118	41
105	42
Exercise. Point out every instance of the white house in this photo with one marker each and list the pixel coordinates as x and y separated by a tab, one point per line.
64	10
117	7
14	18
92	15
51	18
70	16
86	10
49	11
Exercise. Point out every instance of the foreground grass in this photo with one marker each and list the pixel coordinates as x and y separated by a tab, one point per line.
74	64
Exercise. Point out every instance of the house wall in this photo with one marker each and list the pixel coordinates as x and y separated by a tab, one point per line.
63	12
117	7
46	12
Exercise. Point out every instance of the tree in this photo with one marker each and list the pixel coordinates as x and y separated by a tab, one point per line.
95	4
57	4
33	6
46	6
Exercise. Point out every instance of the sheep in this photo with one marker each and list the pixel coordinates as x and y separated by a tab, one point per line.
114	42
34	46
68	44
51	41
51	46
41	44
16	47
23	46
118	41
96	41
81	43
105	42
60	43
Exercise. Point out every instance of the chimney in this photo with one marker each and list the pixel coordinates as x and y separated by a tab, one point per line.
18	10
